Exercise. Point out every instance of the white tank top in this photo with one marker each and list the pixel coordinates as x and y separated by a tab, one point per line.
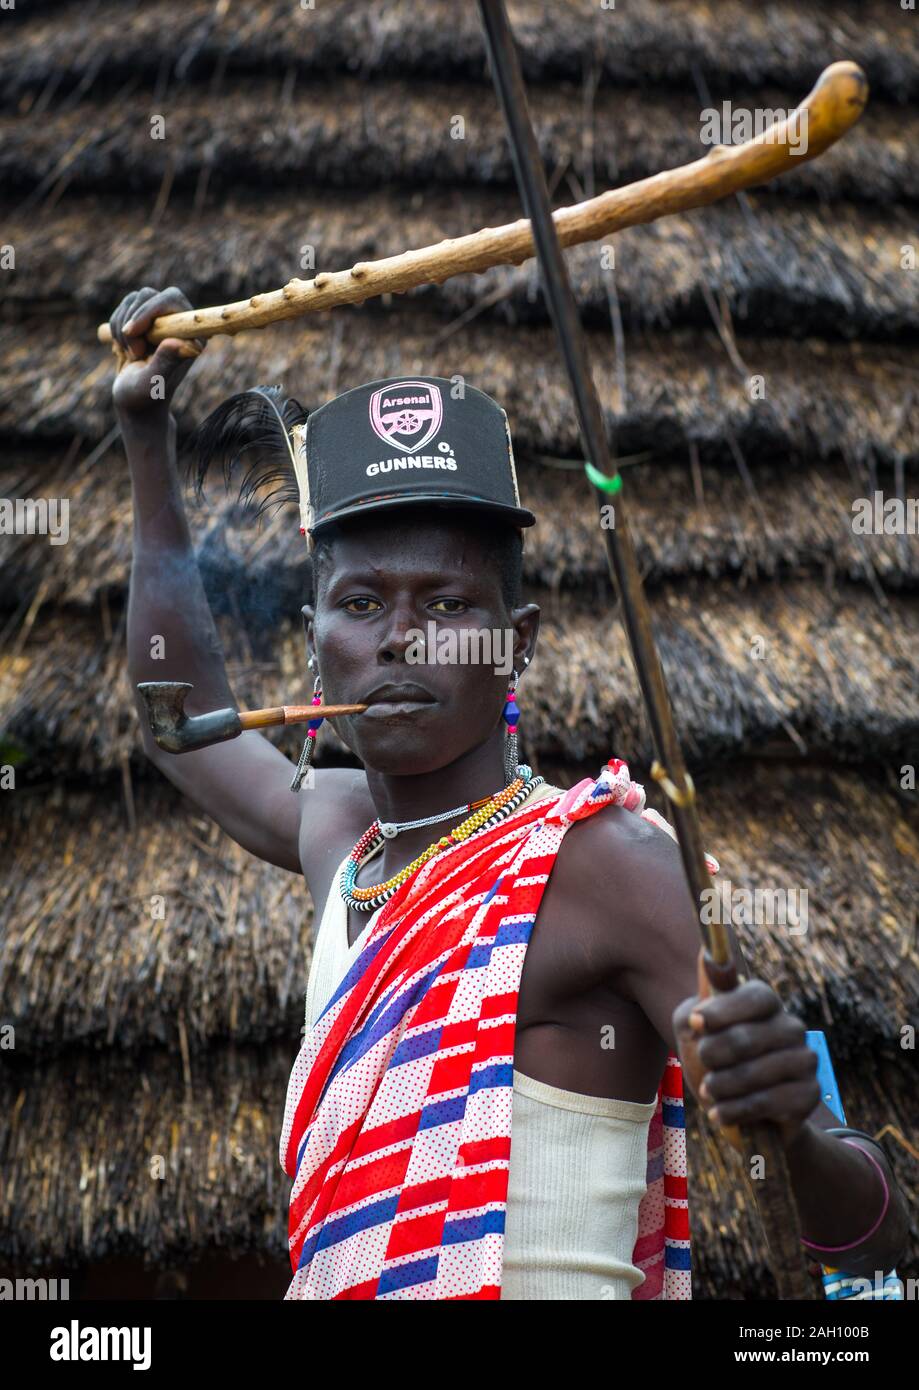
577	1167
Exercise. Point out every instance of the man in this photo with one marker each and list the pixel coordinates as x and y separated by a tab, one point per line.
549	926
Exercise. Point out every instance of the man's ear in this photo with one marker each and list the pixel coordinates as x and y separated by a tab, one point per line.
525	621
309	614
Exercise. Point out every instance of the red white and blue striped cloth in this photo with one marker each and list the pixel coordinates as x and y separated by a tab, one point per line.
397	1127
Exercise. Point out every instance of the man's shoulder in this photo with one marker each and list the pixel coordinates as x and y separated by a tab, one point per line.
619	835
617	856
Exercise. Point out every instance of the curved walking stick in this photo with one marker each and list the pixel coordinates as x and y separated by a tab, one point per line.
775	1199
834	105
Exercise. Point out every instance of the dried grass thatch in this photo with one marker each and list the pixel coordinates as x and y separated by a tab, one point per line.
767	671
685	523
147	927
821	399
729	41
146	1156
340	132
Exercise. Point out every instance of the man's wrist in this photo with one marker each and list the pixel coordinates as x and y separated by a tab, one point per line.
827	1194
153	422
803	1146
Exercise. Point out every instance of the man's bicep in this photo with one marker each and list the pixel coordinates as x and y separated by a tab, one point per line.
662	939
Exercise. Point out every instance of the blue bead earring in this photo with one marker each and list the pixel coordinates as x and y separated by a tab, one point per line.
511	716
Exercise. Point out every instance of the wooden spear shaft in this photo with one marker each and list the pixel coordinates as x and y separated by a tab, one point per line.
775	1199
834	105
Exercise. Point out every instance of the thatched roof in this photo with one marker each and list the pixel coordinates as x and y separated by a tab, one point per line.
822	399
705	523
396	133
330	128
727	41
763	671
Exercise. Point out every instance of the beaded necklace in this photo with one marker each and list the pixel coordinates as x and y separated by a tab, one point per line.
392	828
488	813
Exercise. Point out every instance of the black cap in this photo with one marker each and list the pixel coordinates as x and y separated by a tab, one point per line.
406	441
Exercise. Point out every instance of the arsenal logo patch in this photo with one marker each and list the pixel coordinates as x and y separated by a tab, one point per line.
408	414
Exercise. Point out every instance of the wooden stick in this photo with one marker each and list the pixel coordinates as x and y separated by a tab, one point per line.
293	714
833	106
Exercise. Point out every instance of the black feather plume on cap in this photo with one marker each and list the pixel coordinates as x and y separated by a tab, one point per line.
252	428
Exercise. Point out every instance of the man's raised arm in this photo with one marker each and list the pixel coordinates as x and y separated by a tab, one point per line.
244	784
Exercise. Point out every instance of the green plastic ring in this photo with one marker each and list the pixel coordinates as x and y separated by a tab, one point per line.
600	480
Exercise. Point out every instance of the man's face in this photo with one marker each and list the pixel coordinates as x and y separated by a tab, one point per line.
405	613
